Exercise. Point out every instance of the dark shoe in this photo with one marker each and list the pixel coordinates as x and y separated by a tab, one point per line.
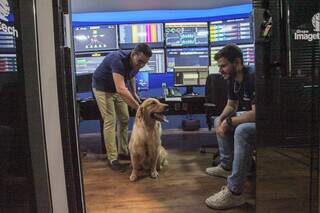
116	166
123	157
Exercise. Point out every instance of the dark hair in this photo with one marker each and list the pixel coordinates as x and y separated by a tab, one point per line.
230	52
143	48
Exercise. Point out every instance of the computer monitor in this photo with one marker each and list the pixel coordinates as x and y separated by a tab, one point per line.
189	77
87	63
95	38
186	34
236	30
133	34
247	52
142	81
156	62
8	63
181	57
8	57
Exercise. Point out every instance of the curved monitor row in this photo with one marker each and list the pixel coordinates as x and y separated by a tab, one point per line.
165	61
158	35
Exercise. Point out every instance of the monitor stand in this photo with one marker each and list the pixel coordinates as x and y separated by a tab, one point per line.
190	92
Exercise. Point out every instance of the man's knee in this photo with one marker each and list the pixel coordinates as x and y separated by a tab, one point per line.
245	130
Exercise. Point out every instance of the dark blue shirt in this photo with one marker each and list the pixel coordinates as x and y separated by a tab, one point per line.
114	62
243	92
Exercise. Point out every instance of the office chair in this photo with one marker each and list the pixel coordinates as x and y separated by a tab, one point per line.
215	101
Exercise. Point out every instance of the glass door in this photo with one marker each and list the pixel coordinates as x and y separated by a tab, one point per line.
38	147
287	81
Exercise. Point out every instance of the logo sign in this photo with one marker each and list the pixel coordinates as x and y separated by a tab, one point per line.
4	13
310	36
4	10
316	22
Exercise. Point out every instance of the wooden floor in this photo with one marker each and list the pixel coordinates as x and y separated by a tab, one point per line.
182	187
282	182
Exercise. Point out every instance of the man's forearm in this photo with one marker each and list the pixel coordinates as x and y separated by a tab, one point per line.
227	111
128	98
245	117
133	89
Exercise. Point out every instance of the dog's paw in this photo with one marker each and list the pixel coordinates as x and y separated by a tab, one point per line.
154	174
133	177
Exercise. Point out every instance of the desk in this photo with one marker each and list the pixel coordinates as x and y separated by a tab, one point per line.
88	109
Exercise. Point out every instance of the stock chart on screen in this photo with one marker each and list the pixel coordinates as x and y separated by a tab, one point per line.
186	34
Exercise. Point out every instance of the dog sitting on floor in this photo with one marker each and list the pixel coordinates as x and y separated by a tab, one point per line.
145	146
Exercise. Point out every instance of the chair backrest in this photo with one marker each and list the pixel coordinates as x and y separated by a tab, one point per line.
216	91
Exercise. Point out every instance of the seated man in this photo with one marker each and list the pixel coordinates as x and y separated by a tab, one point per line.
235	134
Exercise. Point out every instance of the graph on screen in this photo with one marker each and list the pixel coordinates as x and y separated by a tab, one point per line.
180	57
186	34
133	34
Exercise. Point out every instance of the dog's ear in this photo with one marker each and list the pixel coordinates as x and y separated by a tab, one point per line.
140	112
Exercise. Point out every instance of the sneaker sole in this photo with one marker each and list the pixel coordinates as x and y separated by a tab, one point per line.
220	176
224	208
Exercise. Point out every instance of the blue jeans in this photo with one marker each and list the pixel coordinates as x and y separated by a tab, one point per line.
236	149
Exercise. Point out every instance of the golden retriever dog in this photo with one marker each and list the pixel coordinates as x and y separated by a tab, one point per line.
145	142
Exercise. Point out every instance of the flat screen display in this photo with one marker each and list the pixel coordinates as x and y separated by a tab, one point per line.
8	63
186	34
180	57
93	38
156	62
133	34
8	36
142	81
236	30
247	52
87	63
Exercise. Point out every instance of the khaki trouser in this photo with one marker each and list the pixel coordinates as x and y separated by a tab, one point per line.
113	108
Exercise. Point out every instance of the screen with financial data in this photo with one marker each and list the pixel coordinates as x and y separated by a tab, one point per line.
247	52
87	63
133	34
95	38
8	63
237	30
180	57
186	34
156	63
8	58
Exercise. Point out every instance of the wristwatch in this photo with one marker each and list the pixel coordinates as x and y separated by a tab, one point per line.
229	122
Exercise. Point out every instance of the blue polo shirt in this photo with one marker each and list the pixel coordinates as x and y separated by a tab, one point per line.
243	92
114	62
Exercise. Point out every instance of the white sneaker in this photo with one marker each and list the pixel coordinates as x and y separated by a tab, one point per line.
218	171
225	199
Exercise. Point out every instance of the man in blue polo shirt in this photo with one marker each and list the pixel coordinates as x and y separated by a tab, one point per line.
235	134
113	96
